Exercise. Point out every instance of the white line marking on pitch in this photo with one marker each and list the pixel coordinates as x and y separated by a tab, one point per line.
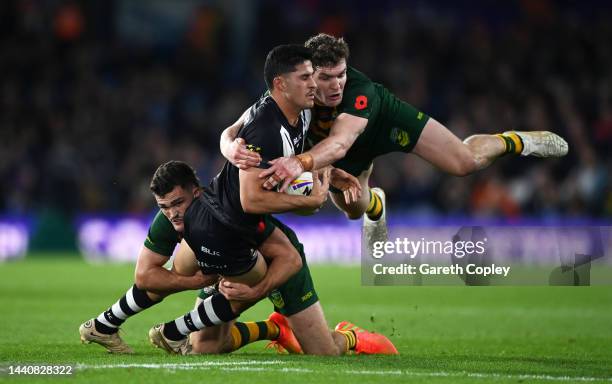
260	366
202	364
429	374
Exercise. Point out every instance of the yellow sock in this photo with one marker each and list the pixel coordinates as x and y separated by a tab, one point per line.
248	332
512	142
351	339
375	208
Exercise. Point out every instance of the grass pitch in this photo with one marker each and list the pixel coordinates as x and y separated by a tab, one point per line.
444	334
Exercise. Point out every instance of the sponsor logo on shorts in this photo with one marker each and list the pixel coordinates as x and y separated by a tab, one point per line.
307	296
277	299
420	116
400	137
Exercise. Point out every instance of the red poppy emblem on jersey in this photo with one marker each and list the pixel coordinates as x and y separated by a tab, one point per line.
261	226
361	102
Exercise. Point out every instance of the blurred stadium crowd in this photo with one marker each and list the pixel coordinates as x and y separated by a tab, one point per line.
95	95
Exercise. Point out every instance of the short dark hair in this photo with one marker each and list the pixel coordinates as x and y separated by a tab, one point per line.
327	50
283	59
171	174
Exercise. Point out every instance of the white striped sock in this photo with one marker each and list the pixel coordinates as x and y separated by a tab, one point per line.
195	317
129	296
210	311
103	320
116	309
181	326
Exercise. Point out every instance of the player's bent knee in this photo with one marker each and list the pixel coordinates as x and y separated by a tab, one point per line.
203	344
464	164
354	215
331	350
140	279
207	348
142	282
353	211
311	330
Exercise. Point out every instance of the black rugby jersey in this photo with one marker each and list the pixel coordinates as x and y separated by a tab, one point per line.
266	131
219	249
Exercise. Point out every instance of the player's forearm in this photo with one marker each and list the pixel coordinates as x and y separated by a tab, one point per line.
227	137
279	271
257	200
162	281
273	202
327	152
344	131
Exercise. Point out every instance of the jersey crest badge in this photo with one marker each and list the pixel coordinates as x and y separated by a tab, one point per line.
277	299
400	137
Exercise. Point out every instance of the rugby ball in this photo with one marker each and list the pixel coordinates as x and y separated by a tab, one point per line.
301	186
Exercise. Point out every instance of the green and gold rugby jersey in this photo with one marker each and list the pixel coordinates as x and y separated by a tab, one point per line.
393	125
162	238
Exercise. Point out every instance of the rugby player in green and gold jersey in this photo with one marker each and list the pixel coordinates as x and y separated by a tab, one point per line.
356	120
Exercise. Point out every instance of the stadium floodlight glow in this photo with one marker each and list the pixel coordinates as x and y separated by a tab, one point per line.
104	239
14	239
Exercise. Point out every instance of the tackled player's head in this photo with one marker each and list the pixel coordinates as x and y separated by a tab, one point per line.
288	73
174	186
329	57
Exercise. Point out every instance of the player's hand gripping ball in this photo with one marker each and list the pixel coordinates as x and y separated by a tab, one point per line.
301	186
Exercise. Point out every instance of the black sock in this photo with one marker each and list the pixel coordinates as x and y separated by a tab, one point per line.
134	301
212	311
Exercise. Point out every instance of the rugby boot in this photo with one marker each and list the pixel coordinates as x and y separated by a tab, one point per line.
157	338
286	341
368	343
541	143
113	342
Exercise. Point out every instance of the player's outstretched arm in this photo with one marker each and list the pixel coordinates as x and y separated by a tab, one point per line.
150	275
344	132
235	149
257	200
